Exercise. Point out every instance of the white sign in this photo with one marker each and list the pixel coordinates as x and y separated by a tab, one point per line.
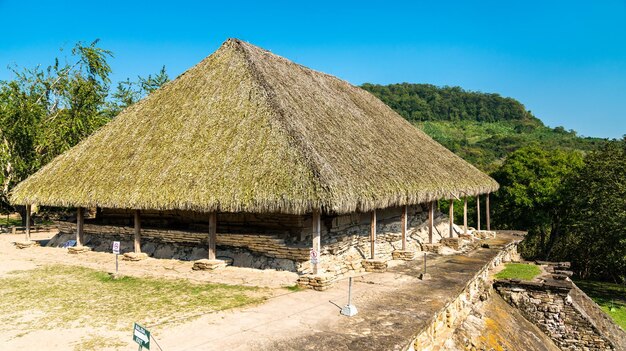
116	247
314	257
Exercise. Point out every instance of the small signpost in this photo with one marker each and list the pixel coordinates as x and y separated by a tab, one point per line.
349	309
314	257
116	251
141	336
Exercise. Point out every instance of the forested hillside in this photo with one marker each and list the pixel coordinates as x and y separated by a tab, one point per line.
480	127
567	191
426	102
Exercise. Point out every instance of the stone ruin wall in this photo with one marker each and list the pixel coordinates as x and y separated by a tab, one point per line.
564	313
346	238
275	241
443	323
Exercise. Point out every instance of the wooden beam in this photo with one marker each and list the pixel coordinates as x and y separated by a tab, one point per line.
478	212
431	214
465	216
27	223
212	235
487	212
451	218
80	222
373	235
137	232
404	225
317	240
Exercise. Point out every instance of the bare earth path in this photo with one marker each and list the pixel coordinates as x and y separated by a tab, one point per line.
392	306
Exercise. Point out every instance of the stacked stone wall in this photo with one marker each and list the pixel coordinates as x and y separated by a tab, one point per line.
444	322
551	307
276	241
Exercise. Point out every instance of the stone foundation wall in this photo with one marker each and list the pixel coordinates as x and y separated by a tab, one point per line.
282	241
550	305
346	239
444	322
246	250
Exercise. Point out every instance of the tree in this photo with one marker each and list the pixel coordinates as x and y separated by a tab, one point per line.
595	224
128	92
531	195
44	112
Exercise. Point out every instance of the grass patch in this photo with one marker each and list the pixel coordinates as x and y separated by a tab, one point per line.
294	288
64	296
609	296
98	342
520	271
10	222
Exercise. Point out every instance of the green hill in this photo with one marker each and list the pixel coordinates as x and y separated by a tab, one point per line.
480	127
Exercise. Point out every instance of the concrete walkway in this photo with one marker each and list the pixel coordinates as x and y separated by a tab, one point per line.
393	307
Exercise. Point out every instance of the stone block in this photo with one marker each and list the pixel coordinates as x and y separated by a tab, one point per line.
434	248
318	282
375	265
25	244
134	256
453	243
75	250
484	234
405	255
208	265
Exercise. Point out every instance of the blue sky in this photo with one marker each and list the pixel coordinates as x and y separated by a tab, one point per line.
565	60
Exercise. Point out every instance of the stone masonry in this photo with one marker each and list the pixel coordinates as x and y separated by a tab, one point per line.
557	308
280	242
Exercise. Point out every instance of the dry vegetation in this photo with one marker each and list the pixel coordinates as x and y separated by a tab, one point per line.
246	130
62	296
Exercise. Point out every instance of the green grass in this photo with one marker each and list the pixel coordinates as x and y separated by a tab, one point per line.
62	297
294	288
520	271
12	221
610	297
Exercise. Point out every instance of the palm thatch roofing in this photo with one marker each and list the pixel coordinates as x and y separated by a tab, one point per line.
247	130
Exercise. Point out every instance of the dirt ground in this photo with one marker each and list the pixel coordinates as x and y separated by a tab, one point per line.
286	310
87	337
38	256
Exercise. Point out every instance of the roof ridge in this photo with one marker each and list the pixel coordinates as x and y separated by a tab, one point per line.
280	117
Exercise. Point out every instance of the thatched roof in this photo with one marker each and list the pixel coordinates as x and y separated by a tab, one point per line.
247	130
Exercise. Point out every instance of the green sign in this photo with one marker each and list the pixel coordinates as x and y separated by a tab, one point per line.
141	336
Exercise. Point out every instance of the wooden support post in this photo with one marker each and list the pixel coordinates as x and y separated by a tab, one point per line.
212	235
465	216
478	212
317	240
451	218
404	225
27	223
80	222
373	235
137	232
487	212
431	214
